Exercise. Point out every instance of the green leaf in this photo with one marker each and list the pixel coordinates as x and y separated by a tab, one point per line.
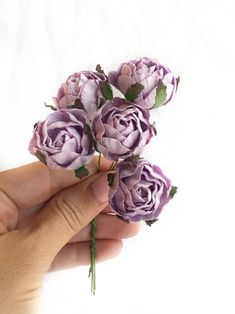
99	69
150	222
133	92
81	172
40	156
49	106
133	159
177	82
101	102
106	90
36	124
173	191
123	219
110	177
160	95
77	105
154	128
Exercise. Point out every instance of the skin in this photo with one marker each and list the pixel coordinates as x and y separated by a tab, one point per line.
44	226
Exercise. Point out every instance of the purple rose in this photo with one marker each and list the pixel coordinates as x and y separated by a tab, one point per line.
139	190
84	86
154	77
61	140
121	129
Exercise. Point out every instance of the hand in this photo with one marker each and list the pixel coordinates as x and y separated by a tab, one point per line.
44	226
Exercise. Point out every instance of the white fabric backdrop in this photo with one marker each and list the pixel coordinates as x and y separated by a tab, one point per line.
185	262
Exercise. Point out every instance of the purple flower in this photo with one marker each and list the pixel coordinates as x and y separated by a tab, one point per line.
139	190
121	129
158	81
61	141
84	86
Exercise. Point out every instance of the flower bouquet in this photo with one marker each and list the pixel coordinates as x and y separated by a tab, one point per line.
88	118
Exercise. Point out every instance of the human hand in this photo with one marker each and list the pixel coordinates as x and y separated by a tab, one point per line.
44	226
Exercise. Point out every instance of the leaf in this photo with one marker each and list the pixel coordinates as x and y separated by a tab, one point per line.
36	124
49	106
77	105
41	157
123	219
150	222
106	90
81	172
173	191
133	159
101	102
160	95
133	92
110	177
99	69
154	128
177	82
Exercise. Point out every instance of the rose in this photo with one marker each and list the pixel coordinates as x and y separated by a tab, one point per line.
121	129
61	141
158	81
139	190
84	86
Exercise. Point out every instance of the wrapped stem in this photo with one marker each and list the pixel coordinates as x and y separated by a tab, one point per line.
92	270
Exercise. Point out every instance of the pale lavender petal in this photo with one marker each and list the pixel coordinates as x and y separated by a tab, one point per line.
113	133
65	101
115	146
124	82
131	139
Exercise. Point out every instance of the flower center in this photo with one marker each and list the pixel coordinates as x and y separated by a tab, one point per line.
62	138
124	122
143	193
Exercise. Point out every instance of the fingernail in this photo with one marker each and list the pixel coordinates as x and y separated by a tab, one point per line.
100	188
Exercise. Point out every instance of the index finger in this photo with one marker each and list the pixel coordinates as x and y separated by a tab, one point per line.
32	184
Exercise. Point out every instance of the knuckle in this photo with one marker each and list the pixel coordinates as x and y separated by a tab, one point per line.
69	211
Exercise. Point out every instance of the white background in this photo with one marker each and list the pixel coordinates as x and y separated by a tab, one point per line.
185	262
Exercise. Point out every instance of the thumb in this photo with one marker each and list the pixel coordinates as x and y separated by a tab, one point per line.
68	212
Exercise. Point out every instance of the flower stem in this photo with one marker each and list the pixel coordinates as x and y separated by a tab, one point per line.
99	160
92	272
92	269
113	166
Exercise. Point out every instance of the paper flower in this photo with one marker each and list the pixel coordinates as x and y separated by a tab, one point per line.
121	129
84	86
61	141
139	190
158	82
